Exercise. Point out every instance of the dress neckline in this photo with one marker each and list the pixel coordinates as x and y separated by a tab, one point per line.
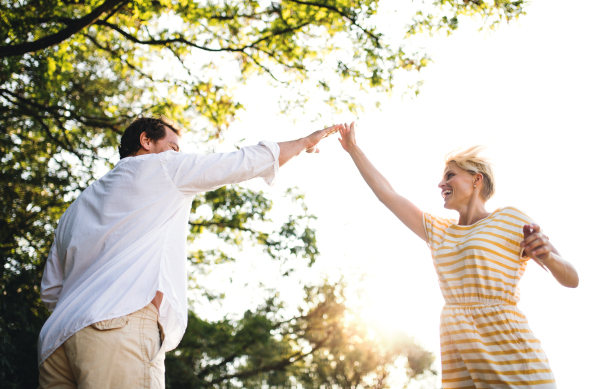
476	223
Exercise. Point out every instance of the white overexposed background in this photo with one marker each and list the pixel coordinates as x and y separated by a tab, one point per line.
530	92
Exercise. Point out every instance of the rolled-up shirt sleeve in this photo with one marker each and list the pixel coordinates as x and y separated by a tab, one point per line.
52	279
194	173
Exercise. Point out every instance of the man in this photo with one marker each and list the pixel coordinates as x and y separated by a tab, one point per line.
116	276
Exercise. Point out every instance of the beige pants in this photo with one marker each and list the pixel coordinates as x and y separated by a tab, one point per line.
119	353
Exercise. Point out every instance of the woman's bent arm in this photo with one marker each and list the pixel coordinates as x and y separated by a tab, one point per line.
404	210
536	245
563	271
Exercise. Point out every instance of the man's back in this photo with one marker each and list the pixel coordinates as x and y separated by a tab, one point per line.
124	239
111	241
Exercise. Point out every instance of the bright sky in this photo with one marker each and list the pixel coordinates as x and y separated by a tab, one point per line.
530	93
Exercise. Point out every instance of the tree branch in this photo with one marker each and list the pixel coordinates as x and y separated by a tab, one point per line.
162	42
341	13
218	224
71	29
117	57
158	42
28	106
274	366
53	110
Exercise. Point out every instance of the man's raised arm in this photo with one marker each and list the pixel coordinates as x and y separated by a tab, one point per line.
194	173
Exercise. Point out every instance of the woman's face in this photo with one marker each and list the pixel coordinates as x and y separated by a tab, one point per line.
457	186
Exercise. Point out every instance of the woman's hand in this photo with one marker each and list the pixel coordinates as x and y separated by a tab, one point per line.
348	140
536	244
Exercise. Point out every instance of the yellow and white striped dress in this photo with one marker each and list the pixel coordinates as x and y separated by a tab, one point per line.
485	339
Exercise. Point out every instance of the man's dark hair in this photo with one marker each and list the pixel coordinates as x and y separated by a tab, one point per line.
154	127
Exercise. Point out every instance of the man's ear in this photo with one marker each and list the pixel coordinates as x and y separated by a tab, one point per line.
145	141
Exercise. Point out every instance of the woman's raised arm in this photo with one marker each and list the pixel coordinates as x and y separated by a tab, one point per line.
404	210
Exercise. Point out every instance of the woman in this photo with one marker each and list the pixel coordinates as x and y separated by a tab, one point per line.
485	339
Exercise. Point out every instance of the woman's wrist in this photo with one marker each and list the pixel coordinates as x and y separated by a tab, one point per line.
354	149
552	258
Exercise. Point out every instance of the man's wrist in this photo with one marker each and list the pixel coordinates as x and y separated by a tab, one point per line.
305	142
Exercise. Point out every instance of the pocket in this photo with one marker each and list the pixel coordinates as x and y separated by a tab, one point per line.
516	334
159	358
157	370
150	339
111	324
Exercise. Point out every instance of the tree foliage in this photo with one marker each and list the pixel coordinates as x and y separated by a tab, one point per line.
74	73
324	346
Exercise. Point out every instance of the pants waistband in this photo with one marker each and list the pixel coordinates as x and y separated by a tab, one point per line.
149	312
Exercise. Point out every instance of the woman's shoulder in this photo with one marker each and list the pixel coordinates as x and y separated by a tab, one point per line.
514	215
438	221
435	228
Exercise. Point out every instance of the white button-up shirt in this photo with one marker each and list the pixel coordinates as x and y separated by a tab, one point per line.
124	239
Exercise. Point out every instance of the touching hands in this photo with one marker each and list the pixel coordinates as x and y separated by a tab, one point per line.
348	139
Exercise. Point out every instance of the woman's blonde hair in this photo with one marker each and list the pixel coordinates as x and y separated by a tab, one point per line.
468	159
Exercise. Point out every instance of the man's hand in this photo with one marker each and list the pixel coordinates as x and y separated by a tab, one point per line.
288	150
314	138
